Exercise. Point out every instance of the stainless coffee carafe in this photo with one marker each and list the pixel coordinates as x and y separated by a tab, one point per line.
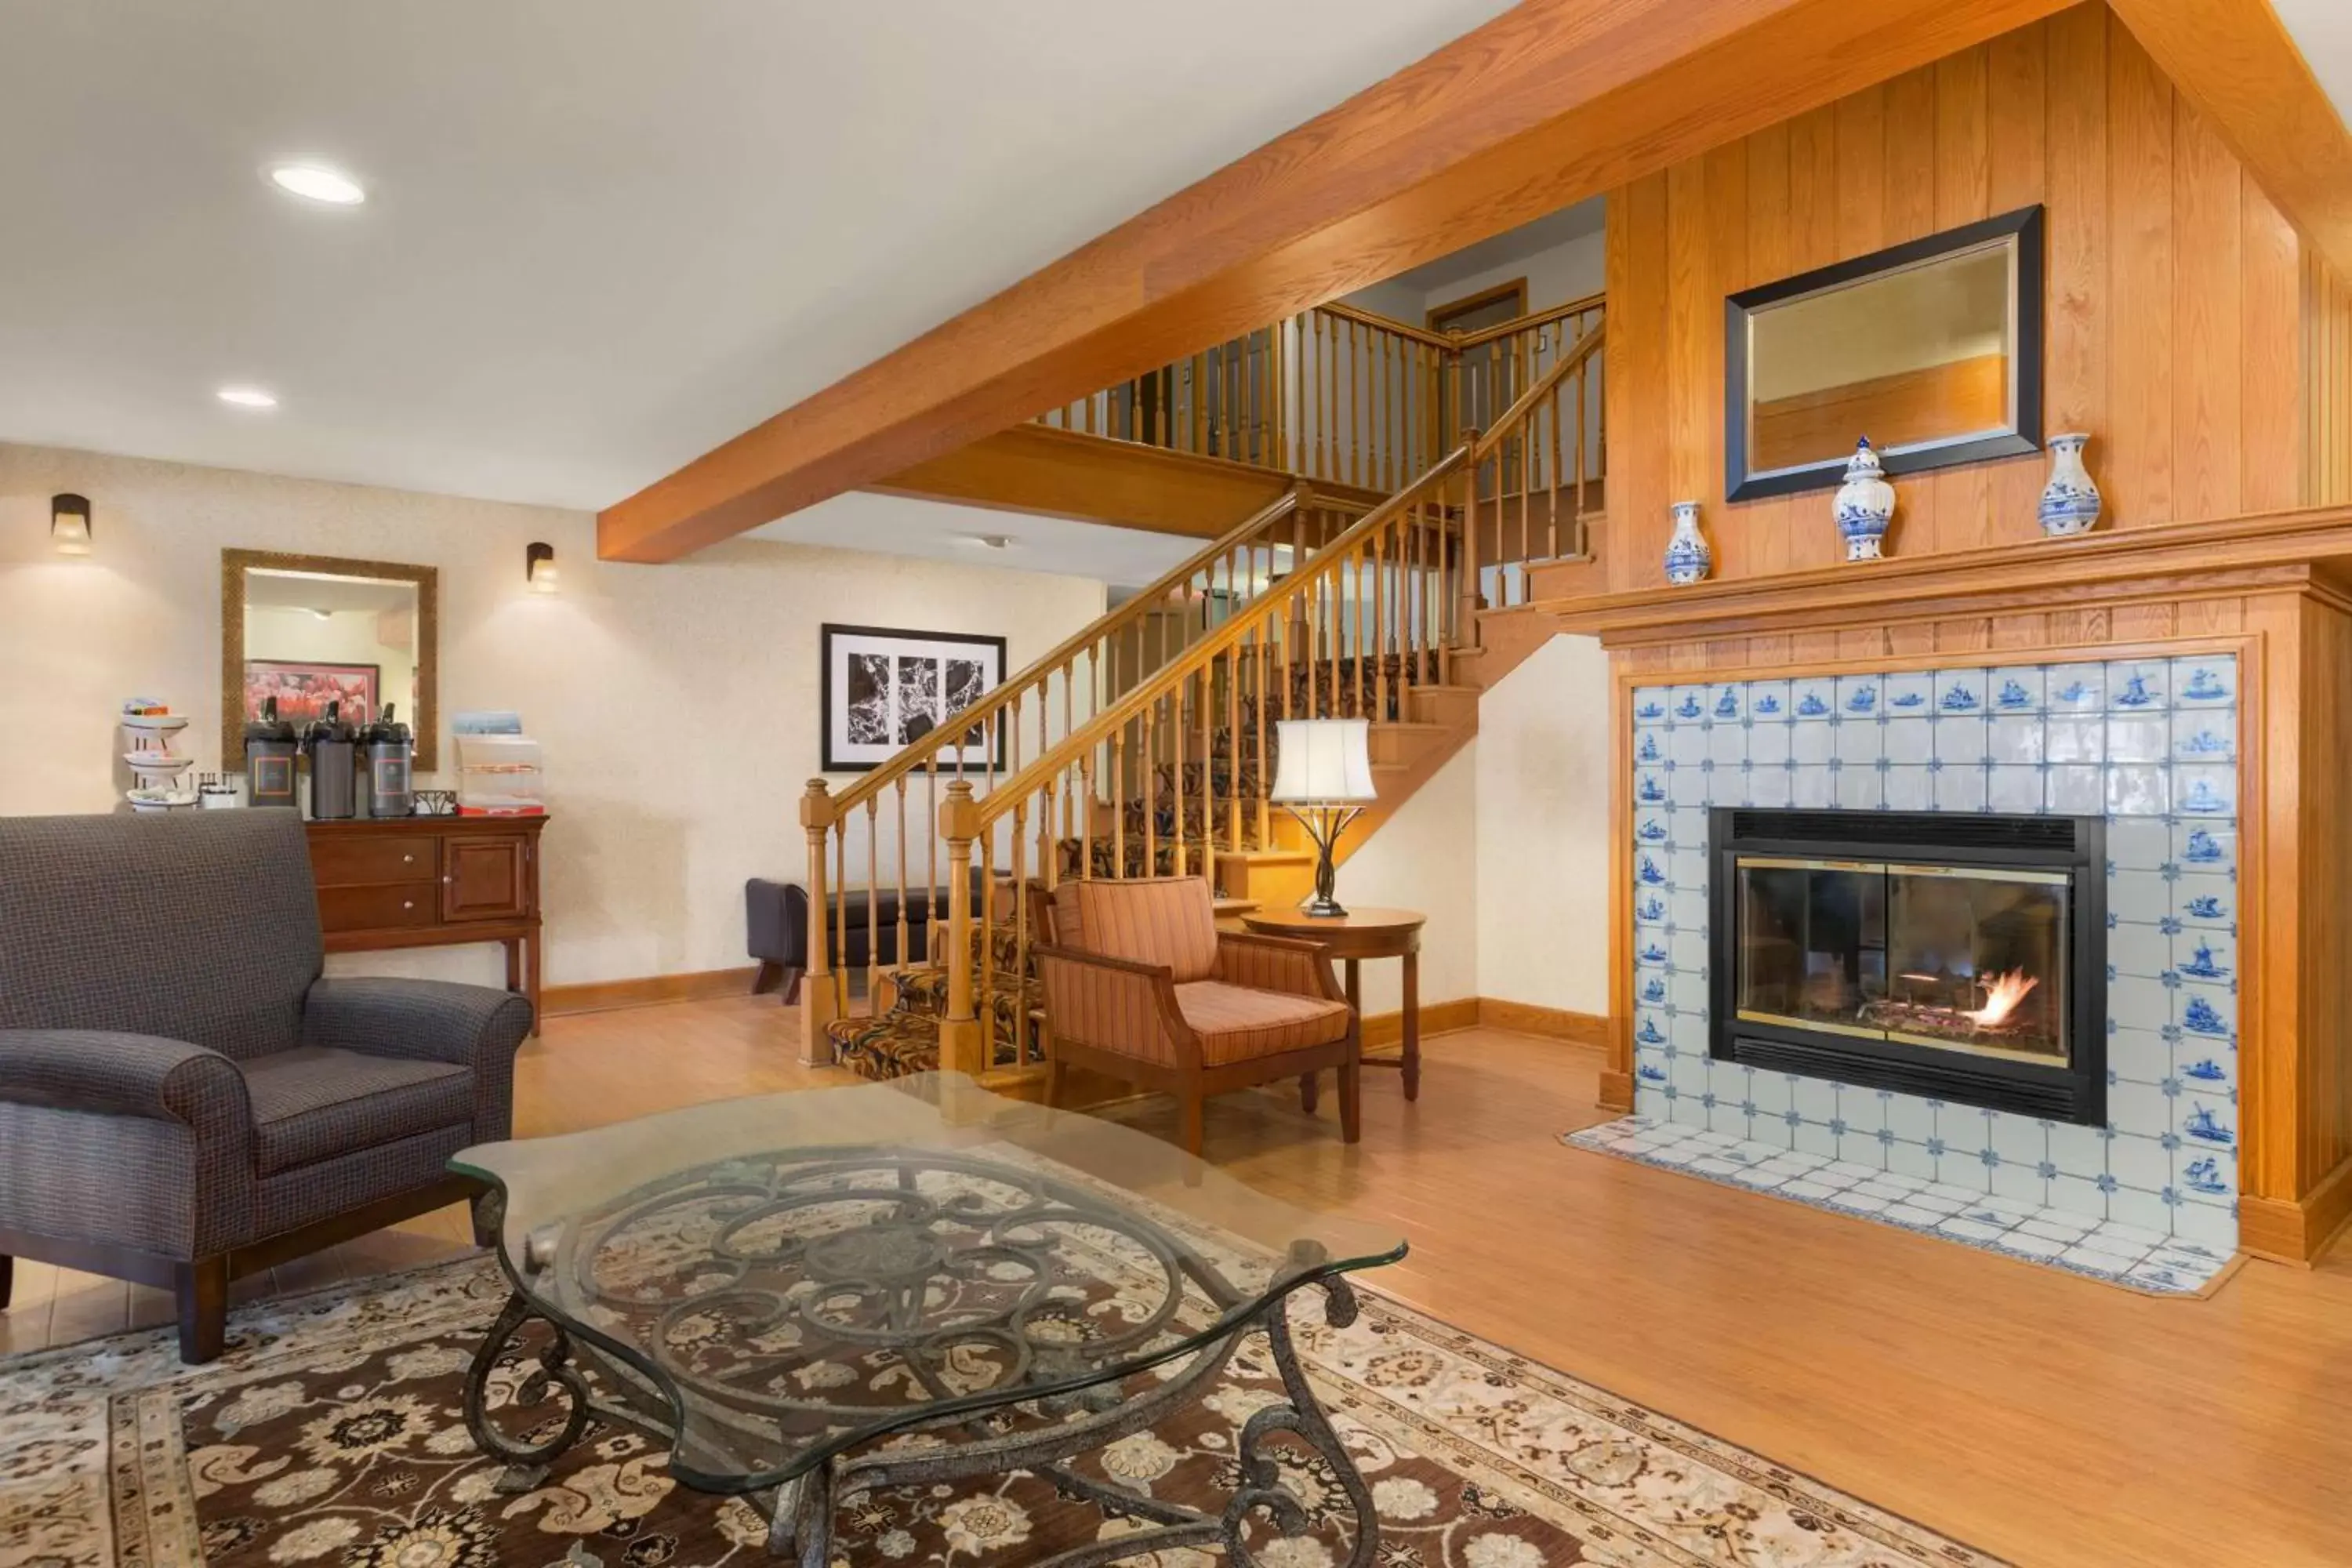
389	752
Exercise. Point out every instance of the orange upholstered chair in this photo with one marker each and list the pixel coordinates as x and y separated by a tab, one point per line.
1140	984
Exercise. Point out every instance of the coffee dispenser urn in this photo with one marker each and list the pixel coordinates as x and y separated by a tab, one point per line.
269	752
391	754
333	766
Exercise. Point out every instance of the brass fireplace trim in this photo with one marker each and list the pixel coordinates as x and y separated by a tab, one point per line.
1970	873
1936	1042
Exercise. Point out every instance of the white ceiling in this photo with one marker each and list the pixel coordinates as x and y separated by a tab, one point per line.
600	236
2323	31
943	531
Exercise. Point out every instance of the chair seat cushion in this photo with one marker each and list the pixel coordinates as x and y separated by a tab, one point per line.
315	1103
1237	1024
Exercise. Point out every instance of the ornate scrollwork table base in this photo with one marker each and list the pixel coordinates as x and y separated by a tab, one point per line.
800	1511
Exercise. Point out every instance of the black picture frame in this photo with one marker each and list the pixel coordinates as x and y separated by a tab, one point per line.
840	700
2023	436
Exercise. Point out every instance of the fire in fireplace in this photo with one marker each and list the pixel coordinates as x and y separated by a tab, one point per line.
1958	956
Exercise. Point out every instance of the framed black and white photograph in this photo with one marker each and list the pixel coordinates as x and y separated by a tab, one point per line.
885	689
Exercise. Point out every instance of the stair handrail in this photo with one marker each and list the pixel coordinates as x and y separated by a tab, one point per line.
1526	402
1517	324
1326	563
1033	676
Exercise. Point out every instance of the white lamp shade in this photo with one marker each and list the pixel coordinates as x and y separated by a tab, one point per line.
1323	762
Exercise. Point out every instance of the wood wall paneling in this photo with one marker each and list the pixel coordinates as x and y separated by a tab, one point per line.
2172	331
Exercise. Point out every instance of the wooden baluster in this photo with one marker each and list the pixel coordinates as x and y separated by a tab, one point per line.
1380	627
841	915
983	955
1020	1019
873	905
1327	417
1086	792
1207	696
1148	777
1117	803
1237	747
934	892
1464	629
905	952
1176	714
958	1035
817	998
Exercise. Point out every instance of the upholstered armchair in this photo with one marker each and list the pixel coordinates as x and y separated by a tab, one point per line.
1140	984
182	1097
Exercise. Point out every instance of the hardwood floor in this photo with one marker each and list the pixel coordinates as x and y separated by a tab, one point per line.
2045	1418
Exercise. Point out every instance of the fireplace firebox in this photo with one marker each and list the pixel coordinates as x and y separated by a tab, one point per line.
1955	955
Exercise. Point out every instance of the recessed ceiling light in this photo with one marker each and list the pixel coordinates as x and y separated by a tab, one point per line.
247	397
987	540
316	182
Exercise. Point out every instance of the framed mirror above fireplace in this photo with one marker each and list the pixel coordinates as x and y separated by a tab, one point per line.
1960	956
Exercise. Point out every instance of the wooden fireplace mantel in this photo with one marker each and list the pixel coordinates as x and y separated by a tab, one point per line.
2309	549
2274	590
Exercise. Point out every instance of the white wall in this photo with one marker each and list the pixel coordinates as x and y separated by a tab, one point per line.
1566	271
1542	817
677	704
1424	857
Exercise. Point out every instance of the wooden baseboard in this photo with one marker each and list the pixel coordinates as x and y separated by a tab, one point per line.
605	996
1437	1018
1556	1023
2297	1230
1616	1091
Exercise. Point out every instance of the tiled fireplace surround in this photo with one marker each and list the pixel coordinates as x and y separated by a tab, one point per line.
2150	743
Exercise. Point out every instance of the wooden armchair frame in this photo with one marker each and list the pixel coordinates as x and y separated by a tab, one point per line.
1146	998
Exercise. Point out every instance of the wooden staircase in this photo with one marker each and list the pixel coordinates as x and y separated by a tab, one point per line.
1143	746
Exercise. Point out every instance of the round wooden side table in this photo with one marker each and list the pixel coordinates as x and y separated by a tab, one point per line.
1359	934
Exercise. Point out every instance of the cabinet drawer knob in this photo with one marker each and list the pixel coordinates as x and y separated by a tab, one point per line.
408	859
408	903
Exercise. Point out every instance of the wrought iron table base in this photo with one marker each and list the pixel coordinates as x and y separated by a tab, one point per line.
800	1511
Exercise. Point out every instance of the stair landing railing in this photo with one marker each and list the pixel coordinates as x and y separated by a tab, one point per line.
1349	397
880	836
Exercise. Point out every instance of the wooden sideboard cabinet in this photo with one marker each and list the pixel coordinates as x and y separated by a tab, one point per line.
433	881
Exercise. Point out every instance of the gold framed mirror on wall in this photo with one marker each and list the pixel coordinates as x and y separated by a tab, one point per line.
314	630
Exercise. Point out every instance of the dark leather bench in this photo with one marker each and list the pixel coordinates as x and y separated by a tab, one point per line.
776	918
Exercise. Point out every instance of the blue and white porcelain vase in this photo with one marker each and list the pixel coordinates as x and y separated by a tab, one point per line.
1688	559
2070	502
1865	504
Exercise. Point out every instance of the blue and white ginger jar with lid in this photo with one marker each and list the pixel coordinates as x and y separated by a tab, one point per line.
1865	504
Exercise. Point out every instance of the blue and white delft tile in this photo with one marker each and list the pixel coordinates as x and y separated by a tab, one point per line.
2139	685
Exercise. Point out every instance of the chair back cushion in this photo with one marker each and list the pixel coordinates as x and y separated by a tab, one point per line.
194	925
1166	920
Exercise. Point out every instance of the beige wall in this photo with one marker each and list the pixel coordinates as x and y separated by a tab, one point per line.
1542	814
677	704
1424	858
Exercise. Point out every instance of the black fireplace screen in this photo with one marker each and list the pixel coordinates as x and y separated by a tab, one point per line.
1962	958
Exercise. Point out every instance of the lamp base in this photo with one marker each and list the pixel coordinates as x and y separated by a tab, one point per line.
1321	907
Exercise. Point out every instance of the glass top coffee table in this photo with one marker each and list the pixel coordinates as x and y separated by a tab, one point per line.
807	1295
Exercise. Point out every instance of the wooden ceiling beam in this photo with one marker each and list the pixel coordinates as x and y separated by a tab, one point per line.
1551	102
2236	60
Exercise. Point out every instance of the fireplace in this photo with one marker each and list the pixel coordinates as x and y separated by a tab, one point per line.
1955	956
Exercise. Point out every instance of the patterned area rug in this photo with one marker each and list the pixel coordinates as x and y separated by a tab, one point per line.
331	1434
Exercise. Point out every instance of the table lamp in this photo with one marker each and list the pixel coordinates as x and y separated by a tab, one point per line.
1323	776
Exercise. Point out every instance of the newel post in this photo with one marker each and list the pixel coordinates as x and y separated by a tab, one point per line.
820	1004
960	1036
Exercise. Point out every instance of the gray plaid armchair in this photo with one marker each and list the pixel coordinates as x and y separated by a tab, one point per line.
182	1097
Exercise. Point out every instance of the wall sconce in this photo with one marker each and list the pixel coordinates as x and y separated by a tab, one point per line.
538	567
69	524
